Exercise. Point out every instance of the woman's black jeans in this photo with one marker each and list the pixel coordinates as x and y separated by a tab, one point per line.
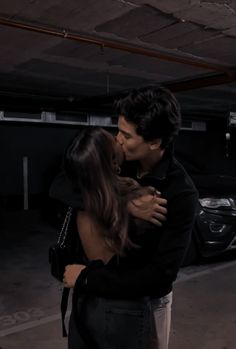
111	324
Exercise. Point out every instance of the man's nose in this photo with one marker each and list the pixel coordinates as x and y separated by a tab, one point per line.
119	138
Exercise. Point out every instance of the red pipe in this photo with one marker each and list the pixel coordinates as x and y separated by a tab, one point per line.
115	45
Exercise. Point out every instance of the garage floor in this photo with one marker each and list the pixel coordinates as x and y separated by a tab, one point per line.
204	308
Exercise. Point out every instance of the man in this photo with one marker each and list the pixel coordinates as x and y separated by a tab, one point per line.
149	119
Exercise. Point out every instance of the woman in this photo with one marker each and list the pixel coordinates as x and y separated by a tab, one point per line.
92	164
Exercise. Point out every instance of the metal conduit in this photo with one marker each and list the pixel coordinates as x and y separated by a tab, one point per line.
204	81
114	45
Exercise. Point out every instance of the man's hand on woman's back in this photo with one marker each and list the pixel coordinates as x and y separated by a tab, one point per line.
151	208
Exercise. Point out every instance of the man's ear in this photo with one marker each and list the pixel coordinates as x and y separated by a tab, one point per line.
155	144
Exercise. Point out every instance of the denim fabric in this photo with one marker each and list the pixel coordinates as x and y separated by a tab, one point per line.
74	339
161	309
113	324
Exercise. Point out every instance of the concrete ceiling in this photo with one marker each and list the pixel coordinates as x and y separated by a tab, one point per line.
55	53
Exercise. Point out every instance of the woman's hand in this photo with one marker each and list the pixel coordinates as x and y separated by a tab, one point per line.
151	208
71	274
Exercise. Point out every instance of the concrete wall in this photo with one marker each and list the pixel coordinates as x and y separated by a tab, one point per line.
200	152
204	152
43	145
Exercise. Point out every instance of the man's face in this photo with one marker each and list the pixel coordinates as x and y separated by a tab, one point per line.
133	145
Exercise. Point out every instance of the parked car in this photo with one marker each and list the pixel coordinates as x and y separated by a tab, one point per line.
215	225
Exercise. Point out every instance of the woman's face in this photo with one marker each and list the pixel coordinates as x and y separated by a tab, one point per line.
119	152
117	148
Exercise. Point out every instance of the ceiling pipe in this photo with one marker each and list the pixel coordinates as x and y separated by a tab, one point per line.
114	45
204	81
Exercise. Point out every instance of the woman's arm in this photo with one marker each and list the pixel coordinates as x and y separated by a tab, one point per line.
94	246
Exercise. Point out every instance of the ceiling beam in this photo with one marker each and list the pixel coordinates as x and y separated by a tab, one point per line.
117	45
204	81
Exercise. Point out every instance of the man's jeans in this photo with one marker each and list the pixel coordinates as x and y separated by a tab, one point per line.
120	324
161	309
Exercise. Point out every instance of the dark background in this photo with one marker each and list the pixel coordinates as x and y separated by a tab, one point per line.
201	152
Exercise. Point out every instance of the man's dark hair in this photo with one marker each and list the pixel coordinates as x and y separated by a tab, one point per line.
154	111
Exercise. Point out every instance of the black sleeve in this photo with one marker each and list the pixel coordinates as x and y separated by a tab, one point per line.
161	270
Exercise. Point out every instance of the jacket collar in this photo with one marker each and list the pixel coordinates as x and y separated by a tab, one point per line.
159	171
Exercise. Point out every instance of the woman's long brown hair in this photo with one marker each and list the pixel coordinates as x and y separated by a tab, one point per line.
90	164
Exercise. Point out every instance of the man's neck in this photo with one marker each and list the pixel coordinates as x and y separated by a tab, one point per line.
149	162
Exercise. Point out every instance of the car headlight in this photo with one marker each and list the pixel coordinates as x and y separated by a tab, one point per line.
214	203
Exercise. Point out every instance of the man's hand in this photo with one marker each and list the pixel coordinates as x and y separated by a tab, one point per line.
71	274
151	208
